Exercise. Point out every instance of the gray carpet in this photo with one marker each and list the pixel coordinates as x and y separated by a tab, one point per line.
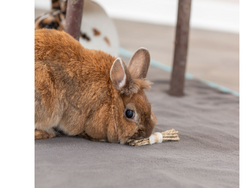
207	154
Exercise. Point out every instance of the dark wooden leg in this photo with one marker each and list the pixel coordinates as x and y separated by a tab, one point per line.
74	17
181	48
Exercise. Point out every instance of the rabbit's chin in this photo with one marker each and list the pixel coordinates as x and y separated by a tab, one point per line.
124	140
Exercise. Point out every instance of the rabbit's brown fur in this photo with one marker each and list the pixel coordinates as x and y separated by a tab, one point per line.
85	92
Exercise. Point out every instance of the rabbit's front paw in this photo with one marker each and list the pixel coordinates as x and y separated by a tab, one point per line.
42	135
84	135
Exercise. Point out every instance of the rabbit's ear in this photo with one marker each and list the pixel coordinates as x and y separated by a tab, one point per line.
119	75
139	63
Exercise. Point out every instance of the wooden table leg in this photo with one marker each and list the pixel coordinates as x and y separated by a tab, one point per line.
181	48
74	17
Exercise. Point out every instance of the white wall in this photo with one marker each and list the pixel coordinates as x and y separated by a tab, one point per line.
218	15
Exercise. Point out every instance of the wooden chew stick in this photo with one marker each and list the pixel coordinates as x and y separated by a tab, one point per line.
169	135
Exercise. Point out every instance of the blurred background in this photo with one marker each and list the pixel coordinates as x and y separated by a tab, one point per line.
214	33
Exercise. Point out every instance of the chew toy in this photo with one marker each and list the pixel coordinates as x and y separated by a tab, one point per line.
169	135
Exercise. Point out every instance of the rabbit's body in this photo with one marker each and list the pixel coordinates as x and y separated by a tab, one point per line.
75	93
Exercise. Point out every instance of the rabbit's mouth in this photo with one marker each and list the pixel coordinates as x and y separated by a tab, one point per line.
124	140
140	134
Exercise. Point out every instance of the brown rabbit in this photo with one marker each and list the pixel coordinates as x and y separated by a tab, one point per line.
89	93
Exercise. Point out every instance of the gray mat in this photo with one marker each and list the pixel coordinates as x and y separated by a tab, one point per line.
207	154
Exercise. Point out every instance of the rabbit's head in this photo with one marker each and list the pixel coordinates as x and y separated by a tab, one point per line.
134	116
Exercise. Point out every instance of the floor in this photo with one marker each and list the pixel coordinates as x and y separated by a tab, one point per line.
207	154
213	56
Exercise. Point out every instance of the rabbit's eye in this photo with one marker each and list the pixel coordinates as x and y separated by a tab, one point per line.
129	114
